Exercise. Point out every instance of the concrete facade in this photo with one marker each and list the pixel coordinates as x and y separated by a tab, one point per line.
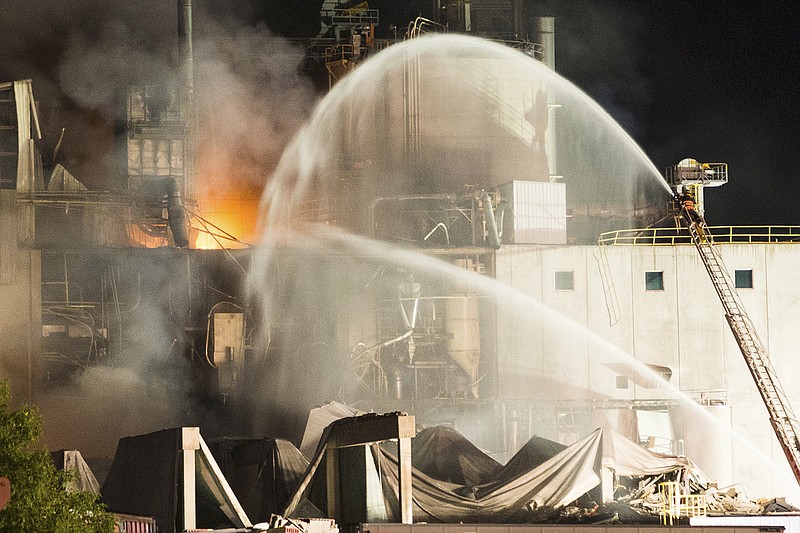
571	344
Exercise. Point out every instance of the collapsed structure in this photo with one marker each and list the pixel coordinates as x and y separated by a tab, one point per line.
360	474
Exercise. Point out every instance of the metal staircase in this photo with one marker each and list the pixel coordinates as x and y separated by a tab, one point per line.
609	291
755	355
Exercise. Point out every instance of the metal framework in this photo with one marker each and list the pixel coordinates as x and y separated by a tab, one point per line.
755	355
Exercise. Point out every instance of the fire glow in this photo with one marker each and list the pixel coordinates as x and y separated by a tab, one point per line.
226	219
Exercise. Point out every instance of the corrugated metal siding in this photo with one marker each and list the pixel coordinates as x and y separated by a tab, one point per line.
539	212
135	524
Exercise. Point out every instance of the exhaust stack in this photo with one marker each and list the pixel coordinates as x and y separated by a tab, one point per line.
186	55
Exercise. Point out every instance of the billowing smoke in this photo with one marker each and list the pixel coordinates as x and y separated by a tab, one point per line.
251	98
94	71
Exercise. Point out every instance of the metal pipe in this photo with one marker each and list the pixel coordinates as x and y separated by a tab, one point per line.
491	224
517	7
380	199
437	226
544	34
186	55
176	216
185	44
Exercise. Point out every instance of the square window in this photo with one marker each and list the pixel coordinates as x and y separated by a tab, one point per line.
743	278
565	280
622	382
654	281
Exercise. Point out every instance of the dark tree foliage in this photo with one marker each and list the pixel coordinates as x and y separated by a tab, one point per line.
39	498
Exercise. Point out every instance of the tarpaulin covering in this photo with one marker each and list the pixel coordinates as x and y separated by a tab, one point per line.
445	454
533	493
535	452
83	478
143	478
555	483
532	488
147	479
263	473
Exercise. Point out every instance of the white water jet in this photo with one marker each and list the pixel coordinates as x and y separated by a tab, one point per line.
434	114
430	117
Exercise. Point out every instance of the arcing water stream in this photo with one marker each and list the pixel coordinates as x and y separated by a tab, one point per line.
424	119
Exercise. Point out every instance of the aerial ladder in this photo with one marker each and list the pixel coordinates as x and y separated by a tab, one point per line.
781	417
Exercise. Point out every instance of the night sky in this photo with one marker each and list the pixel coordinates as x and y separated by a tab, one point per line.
714	80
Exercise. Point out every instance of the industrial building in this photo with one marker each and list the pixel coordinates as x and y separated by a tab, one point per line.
466	238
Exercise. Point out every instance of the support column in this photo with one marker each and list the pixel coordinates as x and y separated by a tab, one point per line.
404	467
607	481
190	443
332	481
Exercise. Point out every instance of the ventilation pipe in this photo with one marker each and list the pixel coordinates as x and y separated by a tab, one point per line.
517	7
493	236
544	34
176	215
187	70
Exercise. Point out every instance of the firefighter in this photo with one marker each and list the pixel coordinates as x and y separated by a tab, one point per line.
690	208
687	201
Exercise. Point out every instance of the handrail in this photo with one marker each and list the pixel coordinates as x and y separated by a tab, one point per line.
421	25
721	235
338	52
708	173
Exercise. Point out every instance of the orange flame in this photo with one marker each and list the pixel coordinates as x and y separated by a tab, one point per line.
225	217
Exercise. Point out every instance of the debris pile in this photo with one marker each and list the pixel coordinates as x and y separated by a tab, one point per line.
280	524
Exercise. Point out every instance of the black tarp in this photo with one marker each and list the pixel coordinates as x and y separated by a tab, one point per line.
146	479
143	478
535	452
443	453
263	473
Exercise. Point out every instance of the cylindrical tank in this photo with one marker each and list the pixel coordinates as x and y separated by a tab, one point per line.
464	346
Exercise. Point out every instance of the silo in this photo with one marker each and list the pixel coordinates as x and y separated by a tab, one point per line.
462	323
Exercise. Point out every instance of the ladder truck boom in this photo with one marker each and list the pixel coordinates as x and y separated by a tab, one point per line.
755	355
